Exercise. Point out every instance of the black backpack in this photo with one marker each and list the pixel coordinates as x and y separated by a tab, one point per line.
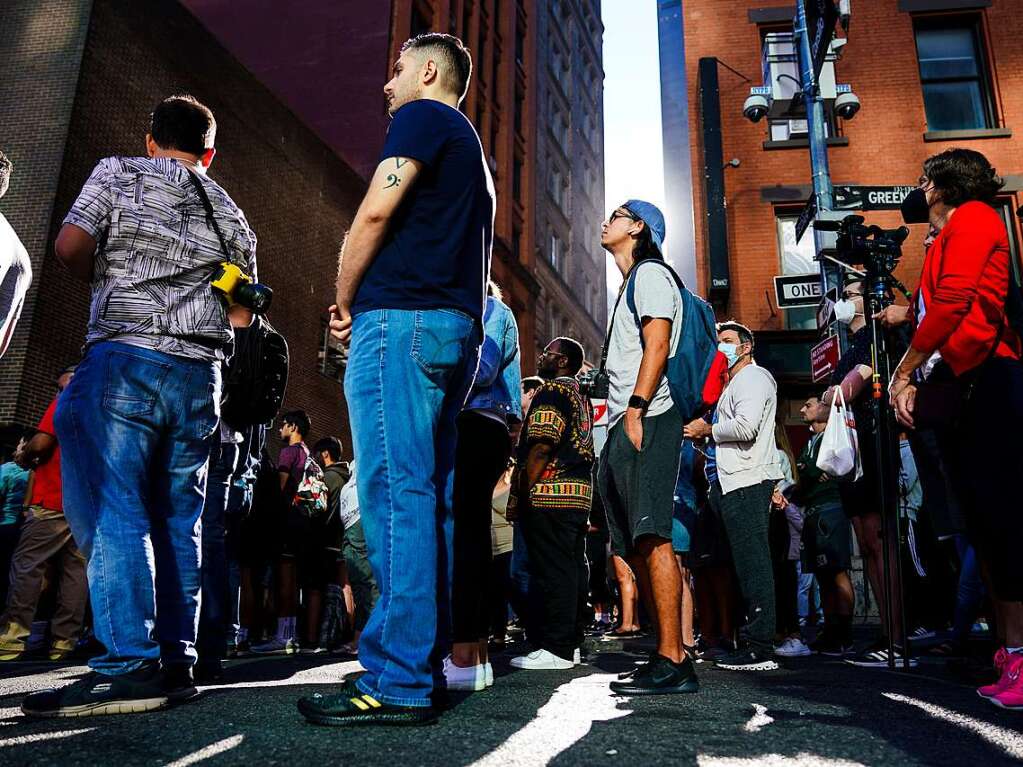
256	377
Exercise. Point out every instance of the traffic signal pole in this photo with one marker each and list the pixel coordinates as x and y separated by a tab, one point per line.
831	277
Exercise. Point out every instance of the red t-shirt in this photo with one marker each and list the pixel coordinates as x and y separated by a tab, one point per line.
46	483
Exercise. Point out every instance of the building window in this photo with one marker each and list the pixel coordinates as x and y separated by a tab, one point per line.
556	186
331	356
1006	207
796	258
520	40
517	180
556	252
422	19
953	73
519	107
517	242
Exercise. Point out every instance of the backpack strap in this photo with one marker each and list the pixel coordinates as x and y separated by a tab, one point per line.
630	296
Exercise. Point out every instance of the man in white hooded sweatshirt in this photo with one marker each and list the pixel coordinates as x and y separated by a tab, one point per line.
745	460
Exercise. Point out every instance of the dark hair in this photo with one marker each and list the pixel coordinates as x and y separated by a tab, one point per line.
531	383
963	175
745	334
643	249
329	445
6	167
572	351
299	420
454	54
182	123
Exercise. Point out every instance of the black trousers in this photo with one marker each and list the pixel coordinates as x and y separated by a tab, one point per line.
481	456
786	579
557	579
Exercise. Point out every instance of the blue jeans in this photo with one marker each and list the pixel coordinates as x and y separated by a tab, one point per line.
135	429
216	613
407	378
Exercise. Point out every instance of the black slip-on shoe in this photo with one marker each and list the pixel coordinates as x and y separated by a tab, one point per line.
179	683
97	694
660	676
350	706
640	668
746	659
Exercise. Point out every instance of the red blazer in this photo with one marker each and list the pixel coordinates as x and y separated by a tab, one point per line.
964	284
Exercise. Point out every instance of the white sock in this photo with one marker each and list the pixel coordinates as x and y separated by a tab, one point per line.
286	628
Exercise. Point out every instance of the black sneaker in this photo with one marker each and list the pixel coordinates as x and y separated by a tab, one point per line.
351	706
640	668
831	646
179	683
876	656
746	659
661	676
97	694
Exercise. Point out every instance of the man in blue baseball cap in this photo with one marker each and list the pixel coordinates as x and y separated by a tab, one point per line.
639	463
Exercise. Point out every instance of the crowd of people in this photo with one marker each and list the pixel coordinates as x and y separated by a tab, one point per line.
476	503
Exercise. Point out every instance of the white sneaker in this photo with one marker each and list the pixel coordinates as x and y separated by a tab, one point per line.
488	674
577	657
541	660
472	678
275	646
793	647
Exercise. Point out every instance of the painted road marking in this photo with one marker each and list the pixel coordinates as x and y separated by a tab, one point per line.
773	760
21	740
211	750
759	720
559	724
1007	740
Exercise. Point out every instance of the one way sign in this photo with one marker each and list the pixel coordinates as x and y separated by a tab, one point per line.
796	290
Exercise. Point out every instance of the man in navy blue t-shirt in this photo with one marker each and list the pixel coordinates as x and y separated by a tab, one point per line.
410	294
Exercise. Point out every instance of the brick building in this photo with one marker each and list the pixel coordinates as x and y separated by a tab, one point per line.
931	74
336	87
77	82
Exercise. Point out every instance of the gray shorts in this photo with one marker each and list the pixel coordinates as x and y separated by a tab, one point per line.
638	487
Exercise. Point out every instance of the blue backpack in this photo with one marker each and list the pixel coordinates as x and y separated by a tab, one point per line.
688	370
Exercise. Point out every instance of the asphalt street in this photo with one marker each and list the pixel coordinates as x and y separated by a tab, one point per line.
811	712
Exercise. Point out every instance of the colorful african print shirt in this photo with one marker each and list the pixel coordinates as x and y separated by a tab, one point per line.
561	416
157	254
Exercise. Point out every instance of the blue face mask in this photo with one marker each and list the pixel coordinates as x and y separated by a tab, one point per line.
731	352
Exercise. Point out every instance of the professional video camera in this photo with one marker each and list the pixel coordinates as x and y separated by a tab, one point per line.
862	244
236	287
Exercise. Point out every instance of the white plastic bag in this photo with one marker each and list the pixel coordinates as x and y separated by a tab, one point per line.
839	453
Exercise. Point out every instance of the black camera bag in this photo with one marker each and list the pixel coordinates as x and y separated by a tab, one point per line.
256	377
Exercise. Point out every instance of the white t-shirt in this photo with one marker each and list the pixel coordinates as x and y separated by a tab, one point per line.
15	278
348	502
657	297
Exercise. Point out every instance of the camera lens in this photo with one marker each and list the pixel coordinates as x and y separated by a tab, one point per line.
254	296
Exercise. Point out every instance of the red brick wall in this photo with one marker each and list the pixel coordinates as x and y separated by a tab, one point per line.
297	195
886	144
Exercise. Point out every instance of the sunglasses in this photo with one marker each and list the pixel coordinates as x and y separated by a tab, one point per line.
619	214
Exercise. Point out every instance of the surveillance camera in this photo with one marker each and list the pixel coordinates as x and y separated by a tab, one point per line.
755	108
847	105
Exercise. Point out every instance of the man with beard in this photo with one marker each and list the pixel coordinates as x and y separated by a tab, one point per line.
410	293
551	494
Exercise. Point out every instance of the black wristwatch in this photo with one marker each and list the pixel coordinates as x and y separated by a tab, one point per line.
639	402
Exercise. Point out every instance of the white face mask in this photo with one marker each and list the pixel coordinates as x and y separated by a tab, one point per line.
845	311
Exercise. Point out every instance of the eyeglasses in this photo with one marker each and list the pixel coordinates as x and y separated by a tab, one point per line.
619	214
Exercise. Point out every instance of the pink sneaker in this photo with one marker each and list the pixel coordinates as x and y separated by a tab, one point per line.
1002	659
1011	696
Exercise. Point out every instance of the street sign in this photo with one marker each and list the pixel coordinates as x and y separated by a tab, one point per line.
826	309
807	215
870	197
821	17
824	358
600	415
795	290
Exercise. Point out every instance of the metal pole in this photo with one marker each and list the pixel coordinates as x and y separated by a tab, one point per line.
831	276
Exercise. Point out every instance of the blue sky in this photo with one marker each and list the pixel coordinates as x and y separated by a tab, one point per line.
633	160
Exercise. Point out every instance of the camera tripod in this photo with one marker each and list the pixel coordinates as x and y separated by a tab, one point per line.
878	294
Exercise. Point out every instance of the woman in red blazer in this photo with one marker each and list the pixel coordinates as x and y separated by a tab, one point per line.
963	335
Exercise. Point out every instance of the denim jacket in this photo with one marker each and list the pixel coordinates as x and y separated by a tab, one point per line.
498	383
